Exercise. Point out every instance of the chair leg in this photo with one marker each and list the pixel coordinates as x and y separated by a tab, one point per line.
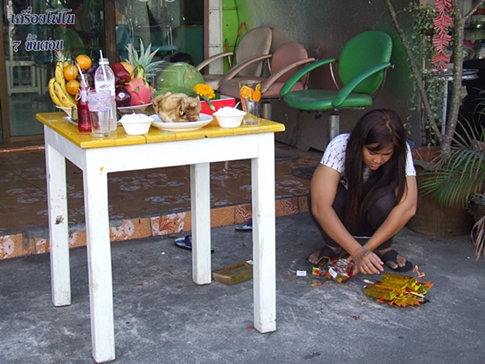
333	126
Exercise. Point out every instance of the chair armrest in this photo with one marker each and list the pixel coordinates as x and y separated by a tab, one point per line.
239	67
275	76
207	61
301	72
352	84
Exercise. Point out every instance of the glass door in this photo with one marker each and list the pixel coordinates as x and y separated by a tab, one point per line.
35	34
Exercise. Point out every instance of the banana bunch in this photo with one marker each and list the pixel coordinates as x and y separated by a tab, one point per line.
57	88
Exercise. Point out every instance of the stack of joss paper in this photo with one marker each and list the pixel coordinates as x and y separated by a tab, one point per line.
394	289
399	290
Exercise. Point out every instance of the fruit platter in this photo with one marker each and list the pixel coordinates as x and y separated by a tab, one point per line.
132	91
181	96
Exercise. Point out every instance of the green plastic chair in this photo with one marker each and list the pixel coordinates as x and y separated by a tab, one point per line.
362	68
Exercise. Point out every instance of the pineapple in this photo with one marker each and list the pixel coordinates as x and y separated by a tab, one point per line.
139	89
143	61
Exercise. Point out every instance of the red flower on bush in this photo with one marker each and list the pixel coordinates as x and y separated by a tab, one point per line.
442	38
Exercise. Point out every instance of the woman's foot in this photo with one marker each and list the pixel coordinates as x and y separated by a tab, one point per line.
394	260
326	252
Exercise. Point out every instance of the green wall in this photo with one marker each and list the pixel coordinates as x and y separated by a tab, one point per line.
234	14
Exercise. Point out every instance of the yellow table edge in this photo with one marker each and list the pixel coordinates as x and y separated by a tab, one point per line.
56	121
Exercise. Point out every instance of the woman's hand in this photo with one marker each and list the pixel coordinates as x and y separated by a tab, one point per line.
366	262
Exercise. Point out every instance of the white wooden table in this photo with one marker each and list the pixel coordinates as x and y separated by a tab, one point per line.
97	157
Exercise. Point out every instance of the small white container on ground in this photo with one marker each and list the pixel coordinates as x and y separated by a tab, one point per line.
229	117
136	124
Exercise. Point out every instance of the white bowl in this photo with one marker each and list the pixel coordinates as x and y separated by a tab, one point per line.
136	124
67	110
229	117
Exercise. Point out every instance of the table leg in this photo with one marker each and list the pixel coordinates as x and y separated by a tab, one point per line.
264	275
58	226
201	234
95	182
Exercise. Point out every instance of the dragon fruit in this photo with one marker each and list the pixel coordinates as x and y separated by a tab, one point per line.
139	89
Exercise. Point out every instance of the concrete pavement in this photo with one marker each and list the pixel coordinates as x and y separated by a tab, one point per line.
162	317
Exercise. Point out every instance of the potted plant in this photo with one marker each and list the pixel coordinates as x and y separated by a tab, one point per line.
455	176
477	209
458	178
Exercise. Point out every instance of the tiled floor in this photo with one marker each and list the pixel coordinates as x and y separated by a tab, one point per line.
150	202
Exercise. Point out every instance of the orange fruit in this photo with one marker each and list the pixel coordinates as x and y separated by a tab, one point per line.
246	92
84	61
72	87
70	72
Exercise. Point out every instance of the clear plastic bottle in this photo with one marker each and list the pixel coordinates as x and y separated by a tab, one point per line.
104	79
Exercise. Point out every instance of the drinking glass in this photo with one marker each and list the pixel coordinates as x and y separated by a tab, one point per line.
250	95
99	104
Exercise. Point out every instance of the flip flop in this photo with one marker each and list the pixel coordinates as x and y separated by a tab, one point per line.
185	242
391	256
326	253
246	227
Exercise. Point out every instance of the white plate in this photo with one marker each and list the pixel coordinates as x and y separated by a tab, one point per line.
69	120
193	125
133	109
67	110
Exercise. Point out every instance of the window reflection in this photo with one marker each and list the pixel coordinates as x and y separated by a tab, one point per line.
35	33
169	26
149	21
87	26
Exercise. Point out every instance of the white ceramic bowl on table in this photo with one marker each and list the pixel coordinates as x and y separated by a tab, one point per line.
136	124
67	110
229	117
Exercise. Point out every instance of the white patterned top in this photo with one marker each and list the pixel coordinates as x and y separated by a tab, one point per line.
334	157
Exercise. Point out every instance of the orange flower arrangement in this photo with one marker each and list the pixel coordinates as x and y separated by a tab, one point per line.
204	90
247	92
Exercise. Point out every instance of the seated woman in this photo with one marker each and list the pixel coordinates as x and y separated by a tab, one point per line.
365	186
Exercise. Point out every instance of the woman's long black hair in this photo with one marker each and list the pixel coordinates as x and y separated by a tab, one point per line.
382	127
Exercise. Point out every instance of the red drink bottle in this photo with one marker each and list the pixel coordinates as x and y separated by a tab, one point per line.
83	119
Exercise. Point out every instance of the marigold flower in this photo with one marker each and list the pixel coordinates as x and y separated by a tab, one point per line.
204	90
